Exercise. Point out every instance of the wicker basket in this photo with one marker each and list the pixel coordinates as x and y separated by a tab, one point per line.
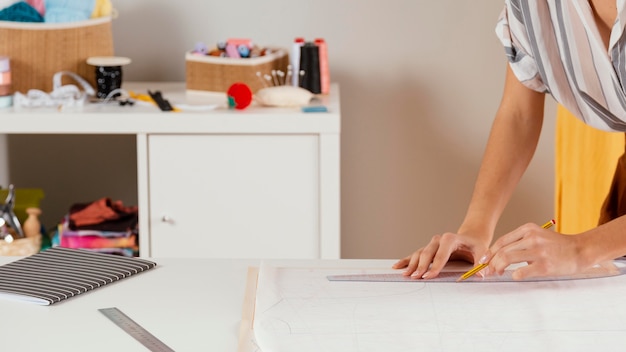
21	247
217	74
38	50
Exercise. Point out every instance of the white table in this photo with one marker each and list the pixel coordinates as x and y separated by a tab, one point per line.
196	305
189	304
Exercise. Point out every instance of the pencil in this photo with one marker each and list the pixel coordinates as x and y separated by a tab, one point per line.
480	267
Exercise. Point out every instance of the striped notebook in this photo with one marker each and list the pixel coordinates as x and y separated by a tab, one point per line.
60	273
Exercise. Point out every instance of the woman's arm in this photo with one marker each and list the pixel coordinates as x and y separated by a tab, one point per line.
553	254
511	145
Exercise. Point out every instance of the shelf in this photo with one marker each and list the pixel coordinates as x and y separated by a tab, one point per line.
111	118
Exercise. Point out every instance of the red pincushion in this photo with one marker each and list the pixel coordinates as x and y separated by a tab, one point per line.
239	96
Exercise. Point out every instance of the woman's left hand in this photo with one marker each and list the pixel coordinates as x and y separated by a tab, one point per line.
547	253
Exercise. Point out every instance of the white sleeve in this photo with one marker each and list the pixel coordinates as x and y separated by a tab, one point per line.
514	38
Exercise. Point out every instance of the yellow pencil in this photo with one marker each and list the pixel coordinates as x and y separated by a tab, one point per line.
480	267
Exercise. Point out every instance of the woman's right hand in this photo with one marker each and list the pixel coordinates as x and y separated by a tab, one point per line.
427	262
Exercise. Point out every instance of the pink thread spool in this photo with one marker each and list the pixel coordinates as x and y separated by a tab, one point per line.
5	83
324	70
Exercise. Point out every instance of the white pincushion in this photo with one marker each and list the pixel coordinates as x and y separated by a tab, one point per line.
283	96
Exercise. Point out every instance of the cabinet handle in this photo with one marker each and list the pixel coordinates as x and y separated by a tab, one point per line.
167	219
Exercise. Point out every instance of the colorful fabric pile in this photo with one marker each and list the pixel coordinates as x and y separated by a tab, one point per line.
104	226
54	11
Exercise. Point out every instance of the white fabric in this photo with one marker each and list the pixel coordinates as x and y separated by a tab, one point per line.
62	95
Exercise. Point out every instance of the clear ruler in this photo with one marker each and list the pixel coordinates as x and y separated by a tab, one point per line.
135	330
395	277
607	270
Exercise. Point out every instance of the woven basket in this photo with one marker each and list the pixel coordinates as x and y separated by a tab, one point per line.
21	247
38	50
217	74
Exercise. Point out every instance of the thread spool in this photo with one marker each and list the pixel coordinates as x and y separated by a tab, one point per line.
324	70
6	92
295	60
108	74
310	65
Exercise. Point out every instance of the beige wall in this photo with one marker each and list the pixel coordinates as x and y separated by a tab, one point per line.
420	82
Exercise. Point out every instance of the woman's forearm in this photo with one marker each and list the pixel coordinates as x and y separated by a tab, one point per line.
605	242
511	145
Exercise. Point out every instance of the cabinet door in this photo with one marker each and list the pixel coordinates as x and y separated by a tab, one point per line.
234	196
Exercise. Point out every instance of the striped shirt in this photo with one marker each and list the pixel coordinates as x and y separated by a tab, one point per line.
554	46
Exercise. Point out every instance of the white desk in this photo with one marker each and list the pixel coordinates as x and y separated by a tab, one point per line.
196	305
189	304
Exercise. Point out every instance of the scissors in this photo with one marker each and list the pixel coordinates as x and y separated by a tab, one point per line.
7	214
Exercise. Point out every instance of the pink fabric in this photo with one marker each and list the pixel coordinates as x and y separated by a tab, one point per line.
97	242
39	5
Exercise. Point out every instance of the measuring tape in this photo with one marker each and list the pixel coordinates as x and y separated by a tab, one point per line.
135	330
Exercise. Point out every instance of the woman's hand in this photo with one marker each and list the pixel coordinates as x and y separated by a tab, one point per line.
441	249
547	253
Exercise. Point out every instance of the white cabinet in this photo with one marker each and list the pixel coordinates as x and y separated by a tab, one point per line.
225	196
255	183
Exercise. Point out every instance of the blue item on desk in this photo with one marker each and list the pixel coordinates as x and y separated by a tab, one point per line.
314	108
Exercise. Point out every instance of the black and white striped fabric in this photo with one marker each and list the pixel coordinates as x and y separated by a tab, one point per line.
60	273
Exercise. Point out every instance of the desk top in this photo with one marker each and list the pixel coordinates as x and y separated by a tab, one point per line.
110	118
189	304
301	310
196	305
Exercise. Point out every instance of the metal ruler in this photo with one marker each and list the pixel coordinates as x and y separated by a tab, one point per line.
135	330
